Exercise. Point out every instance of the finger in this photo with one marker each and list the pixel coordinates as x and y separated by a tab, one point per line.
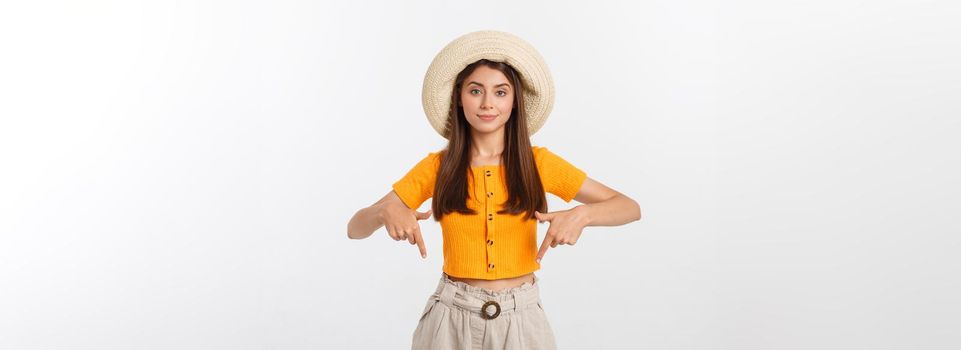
560	240
392	233
544	216
424	215
410	237
544	245
420	244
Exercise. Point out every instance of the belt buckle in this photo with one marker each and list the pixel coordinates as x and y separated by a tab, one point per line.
497	310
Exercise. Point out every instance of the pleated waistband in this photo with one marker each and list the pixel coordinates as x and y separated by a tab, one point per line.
472	298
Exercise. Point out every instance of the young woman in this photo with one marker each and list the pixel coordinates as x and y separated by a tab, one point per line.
487	92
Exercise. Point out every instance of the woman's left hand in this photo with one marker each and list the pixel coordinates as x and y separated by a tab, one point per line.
565	227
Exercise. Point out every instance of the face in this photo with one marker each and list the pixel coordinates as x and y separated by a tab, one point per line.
487	99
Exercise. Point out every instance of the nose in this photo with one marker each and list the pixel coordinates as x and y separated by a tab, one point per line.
485	102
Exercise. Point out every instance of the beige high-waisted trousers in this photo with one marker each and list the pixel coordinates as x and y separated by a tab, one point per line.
514	318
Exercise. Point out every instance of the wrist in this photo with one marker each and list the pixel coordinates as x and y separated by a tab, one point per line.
586	213
378	210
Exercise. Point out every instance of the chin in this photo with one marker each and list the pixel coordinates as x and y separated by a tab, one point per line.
485	130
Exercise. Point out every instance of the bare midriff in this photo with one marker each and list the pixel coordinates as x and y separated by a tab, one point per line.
496	285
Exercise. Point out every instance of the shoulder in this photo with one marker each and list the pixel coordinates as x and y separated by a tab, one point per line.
433	158
432	155
540	153
549	161
537	151
428	161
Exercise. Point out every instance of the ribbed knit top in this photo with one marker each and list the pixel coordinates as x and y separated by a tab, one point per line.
489	245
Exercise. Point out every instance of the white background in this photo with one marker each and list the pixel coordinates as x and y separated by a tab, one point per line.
179	175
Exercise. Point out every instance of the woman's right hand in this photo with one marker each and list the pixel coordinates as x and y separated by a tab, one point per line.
401	224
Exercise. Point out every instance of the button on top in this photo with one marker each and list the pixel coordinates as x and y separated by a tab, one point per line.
488	173
490	265
490	242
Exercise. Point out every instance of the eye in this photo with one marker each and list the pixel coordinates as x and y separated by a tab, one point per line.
505	92
472	91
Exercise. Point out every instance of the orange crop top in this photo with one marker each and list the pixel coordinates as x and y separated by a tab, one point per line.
489	245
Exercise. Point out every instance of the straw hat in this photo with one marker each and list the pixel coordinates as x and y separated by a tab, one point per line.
495	46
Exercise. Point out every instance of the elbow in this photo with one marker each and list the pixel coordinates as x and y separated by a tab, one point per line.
630	211
637	211
351	228
357	227
352	236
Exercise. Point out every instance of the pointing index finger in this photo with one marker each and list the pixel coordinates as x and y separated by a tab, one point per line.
420	244
544	246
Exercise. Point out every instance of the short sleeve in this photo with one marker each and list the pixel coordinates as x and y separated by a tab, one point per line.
418	184
558	176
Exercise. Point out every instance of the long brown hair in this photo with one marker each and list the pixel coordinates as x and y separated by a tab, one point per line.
525	191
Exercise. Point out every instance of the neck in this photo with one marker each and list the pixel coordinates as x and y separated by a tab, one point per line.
487	145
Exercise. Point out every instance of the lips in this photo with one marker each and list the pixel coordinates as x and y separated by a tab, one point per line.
487	117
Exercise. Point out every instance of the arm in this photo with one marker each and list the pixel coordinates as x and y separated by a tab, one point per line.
604	206
369	219
389	211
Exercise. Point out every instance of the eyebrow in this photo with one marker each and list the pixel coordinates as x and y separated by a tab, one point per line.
482	85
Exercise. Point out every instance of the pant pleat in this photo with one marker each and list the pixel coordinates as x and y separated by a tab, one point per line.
452	326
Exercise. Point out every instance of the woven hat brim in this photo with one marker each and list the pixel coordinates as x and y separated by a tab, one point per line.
495	46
